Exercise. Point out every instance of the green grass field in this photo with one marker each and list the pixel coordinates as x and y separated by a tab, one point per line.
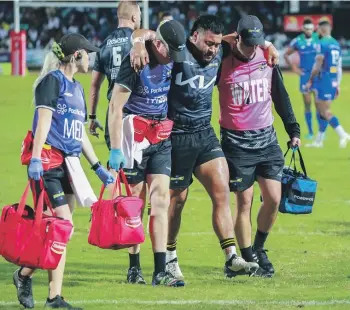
310	252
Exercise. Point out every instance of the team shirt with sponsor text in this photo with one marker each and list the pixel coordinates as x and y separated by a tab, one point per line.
307	50
149	88
112	51
66	100
190	95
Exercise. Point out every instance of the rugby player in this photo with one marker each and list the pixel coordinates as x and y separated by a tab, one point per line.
328	65
247	87
305	45
146	96
195	147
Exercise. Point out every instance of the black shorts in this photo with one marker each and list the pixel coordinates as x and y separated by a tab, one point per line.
156	159
245	165
56	184
189	151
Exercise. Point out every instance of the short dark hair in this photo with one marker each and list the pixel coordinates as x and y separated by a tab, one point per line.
324	23
307	21
208	22
165	14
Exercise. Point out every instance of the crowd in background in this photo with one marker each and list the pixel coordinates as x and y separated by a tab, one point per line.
46	24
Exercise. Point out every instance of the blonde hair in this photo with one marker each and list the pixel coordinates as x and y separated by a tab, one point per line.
51	63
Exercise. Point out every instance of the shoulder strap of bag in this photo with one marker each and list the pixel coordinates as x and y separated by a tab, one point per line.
302	164
39	209
125	181
22	202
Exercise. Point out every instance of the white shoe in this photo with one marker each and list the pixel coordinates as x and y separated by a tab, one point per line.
344	141
173	267
315	144
237	263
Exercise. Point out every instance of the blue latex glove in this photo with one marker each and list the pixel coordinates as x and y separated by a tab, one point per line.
105	176
116	159
35	169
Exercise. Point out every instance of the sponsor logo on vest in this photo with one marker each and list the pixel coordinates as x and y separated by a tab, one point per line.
58	247
304	198
61	109
133	222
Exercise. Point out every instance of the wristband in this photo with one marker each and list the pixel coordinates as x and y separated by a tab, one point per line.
92	116
95	166
138	39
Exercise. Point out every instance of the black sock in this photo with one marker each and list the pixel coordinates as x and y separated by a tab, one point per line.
247	254
22	277
260	238
227	243
159	262
171	246
134	260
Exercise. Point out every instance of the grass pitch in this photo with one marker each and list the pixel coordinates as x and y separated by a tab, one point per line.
310	252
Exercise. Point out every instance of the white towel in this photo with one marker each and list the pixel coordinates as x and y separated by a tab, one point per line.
80	184
131	150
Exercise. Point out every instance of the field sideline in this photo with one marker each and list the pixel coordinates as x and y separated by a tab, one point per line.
310	252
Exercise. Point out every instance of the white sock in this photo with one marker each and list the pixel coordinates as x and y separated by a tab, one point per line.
229	252
320	136
170	255
340	131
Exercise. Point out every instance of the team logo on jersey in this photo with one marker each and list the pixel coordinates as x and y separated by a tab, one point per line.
61	109
142	90
263	66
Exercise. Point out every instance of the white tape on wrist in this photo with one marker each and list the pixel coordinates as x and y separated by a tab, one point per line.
138	39
267	44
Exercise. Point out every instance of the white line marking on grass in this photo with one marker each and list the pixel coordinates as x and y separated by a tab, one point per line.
204	302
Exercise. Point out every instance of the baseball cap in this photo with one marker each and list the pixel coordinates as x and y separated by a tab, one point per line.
251	29
173	34
72	42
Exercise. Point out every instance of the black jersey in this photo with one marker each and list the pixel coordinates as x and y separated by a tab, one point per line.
190	95
113	50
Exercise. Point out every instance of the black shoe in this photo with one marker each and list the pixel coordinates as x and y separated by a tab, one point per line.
262	273
166	279
263	260
59	303
24	290
135	276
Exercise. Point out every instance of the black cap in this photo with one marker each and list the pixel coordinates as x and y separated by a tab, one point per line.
72	42
251	29
173	34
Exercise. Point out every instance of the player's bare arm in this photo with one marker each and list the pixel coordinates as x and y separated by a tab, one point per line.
120	96
293	66
97	80
272	56
138	54
315	69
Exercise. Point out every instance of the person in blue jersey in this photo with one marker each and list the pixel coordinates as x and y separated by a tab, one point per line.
107	64
195	148
58	125
305	45
328	65
143	98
